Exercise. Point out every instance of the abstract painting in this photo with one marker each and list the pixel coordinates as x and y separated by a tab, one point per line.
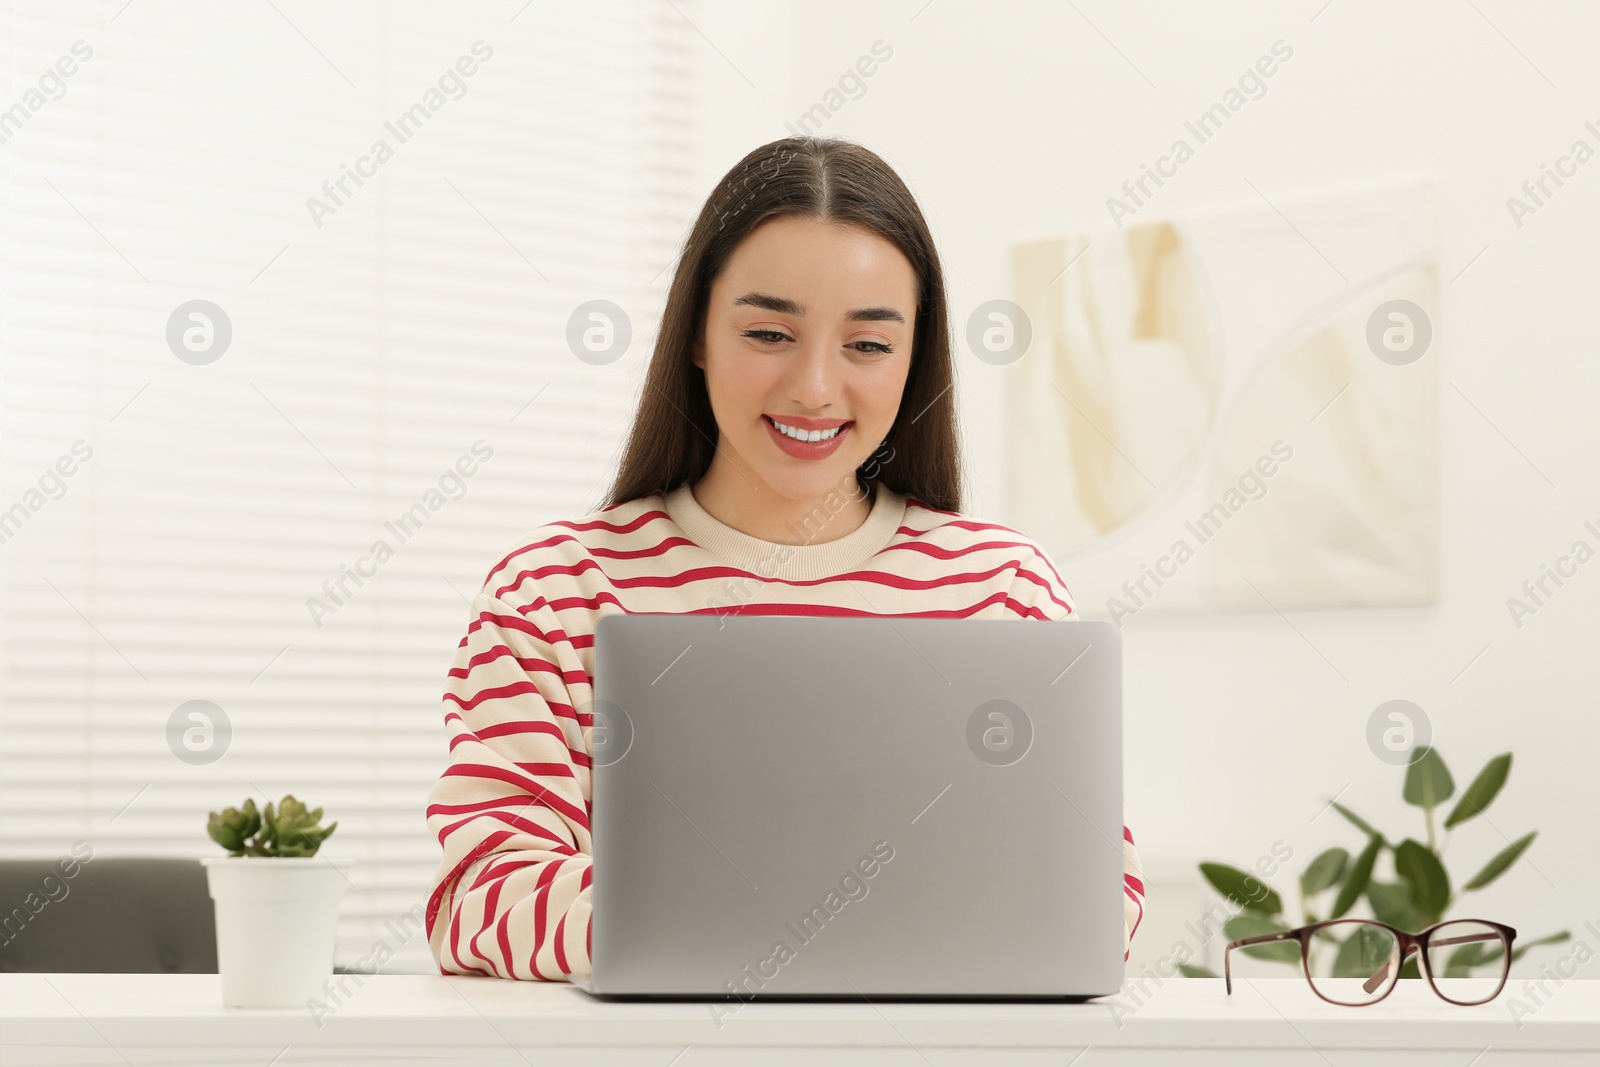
1238	410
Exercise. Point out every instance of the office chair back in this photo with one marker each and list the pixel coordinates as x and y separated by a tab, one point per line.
113	915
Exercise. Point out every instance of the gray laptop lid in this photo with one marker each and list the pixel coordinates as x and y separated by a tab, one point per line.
794	806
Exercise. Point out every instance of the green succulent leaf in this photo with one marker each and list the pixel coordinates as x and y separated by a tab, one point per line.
1194	970
1359	823
1245	890
1324	871
1430	883
284	829
1503	859
232	827
222	833
1355	882
1428	782
1482	791
1248	925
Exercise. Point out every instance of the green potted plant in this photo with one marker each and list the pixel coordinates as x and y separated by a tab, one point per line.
276	902
1420	893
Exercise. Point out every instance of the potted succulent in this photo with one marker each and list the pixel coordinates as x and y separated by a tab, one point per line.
276	902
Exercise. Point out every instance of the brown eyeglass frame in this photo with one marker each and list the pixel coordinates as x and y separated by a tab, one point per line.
1408	943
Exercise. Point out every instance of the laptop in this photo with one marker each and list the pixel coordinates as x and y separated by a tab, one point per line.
790	807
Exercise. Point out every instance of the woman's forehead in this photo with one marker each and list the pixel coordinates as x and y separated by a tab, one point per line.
810	267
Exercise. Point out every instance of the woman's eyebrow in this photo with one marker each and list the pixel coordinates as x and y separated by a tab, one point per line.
785	306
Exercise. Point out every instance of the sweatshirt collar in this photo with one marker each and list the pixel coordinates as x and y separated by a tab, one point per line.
769	559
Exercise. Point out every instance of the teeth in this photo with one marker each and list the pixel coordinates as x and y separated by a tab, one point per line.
807	435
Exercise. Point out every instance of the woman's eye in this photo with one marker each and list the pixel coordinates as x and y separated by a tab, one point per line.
773	337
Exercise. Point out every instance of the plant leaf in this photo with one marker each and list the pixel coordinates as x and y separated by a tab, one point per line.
1245	890
1392	903
1428	781
1363	952
1430	883
1191	970
1548	939
1463	959
1503	859
1355	883
1247	925
1324	871
1359	823
1482	790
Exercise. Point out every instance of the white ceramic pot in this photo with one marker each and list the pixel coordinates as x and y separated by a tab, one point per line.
277	919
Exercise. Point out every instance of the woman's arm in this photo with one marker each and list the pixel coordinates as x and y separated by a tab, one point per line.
1037	592
511	896
1132	891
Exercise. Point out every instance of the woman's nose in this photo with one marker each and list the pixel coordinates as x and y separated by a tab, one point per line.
814	376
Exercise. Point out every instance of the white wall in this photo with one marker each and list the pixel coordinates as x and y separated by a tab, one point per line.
1014	121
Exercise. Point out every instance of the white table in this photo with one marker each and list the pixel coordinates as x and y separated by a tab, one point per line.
423	1019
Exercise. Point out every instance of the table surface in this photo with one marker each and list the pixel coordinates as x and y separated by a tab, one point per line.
125	1017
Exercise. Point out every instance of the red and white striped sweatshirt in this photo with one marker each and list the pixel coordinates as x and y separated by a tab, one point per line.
511	896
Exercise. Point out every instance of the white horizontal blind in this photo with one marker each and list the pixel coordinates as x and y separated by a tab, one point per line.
374	341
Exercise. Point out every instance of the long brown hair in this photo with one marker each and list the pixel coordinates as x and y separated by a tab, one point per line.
830	180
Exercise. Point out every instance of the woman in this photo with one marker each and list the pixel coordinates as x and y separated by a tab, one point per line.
794	452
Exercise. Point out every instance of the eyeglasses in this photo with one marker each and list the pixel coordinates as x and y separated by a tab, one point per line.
1358	961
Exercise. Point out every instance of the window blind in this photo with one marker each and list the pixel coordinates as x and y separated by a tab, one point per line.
273	398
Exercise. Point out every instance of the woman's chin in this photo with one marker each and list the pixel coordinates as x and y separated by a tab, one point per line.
810	485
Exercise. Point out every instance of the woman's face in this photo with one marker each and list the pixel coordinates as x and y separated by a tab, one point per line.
809	324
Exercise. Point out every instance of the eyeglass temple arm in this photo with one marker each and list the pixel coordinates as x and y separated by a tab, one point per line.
1464	940
1381	975
1227	973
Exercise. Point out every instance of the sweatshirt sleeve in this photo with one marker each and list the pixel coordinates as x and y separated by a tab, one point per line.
1038	592
511	896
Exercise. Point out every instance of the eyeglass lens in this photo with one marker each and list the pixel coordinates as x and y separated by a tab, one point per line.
1356	962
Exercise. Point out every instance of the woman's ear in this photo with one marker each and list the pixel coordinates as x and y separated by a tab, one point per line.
697	352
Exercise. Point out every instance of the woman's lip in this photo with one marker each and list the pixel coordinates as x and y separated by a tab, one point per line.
806	449
799	426
802	424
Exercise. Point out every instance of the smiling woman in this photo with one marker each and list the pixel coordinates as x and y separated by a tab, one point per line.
817	299
794	453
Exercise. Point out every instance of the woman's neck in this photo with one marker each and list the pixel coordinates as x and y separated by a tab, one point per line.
753	508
